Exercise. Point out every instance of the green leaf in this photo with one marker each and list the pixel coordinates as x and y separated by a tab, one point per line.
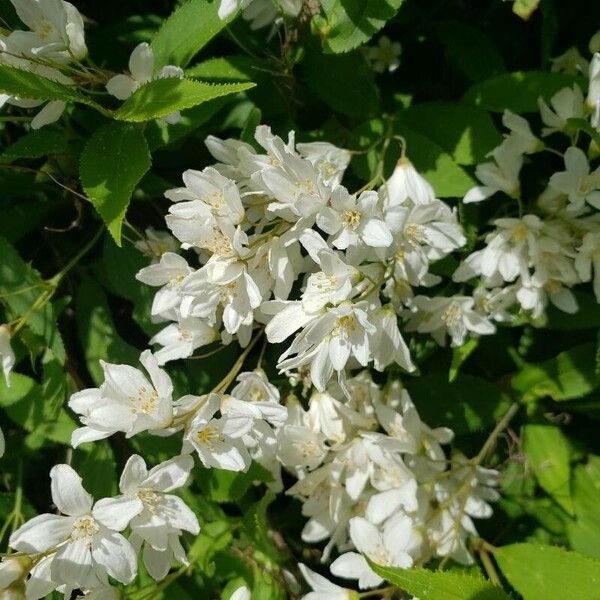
541	572
165	96
435	164
583	125
113	162
572	374
465	405
440	585
584	531
344	82
525	8
228	69
189	28
98	469
518	91
466	132
347	24
470	51
20	287
25	84
97	331
460	355
547	451
35	144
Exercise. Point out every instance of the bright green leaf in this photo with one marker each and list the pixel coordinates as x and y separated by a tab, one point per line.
572	374
584	531
165	96
460	355
547	451
189	28
113	162
440	585
525	8
347	24
517	91
541	572
466	132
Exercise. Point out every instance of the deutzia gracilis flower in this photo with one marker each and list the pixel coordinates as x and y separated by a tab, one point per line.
329	159
385	56
323	589
455	316
520	140
7	356
126	402
56	30
82	548
141	71
156	243
156	517
565	104
577	181
242	593
217	439
500	175
406	184
389	548
593	97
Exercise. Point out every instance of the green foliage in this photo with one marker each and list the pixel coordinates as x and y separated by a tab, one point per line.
543	572
163	97
113	162
547	451
572	374
191	26
35	144
518	91
440	585
347	24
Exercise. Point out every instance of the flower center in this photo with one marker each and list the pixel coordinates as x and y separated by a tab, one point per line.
451	316
145	402
415	234
352	219
84	528
151	499
209	437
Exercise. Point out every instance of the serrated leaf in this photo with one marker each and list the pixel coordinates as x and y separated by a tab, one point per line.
163	97
440	585
36	144
25	84
465	405
572	374
466	132
518	91
113	162
21	286
189	28
347	24
547	451
541	572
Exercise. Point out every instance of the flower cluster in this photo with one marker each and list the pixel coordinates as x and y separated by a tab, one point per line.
53	42
534	259
81	547
373	477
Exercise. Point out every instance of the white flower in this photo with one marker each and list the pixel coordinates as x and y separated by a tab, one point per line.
520	140
323	589
242	593
389	548
156	243
7	356
83	549
156	517
566	104
169	273
328	342
56	30
329	159
593	97
299	446
577	181
141	71
588	258
387	344
455	316
126	402
500	175
254	387
351	220
385	56
571	62
179	340
406	184
218	440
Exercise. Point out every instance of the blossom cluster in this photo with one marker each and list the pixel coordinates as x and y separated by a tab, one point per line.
536	257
